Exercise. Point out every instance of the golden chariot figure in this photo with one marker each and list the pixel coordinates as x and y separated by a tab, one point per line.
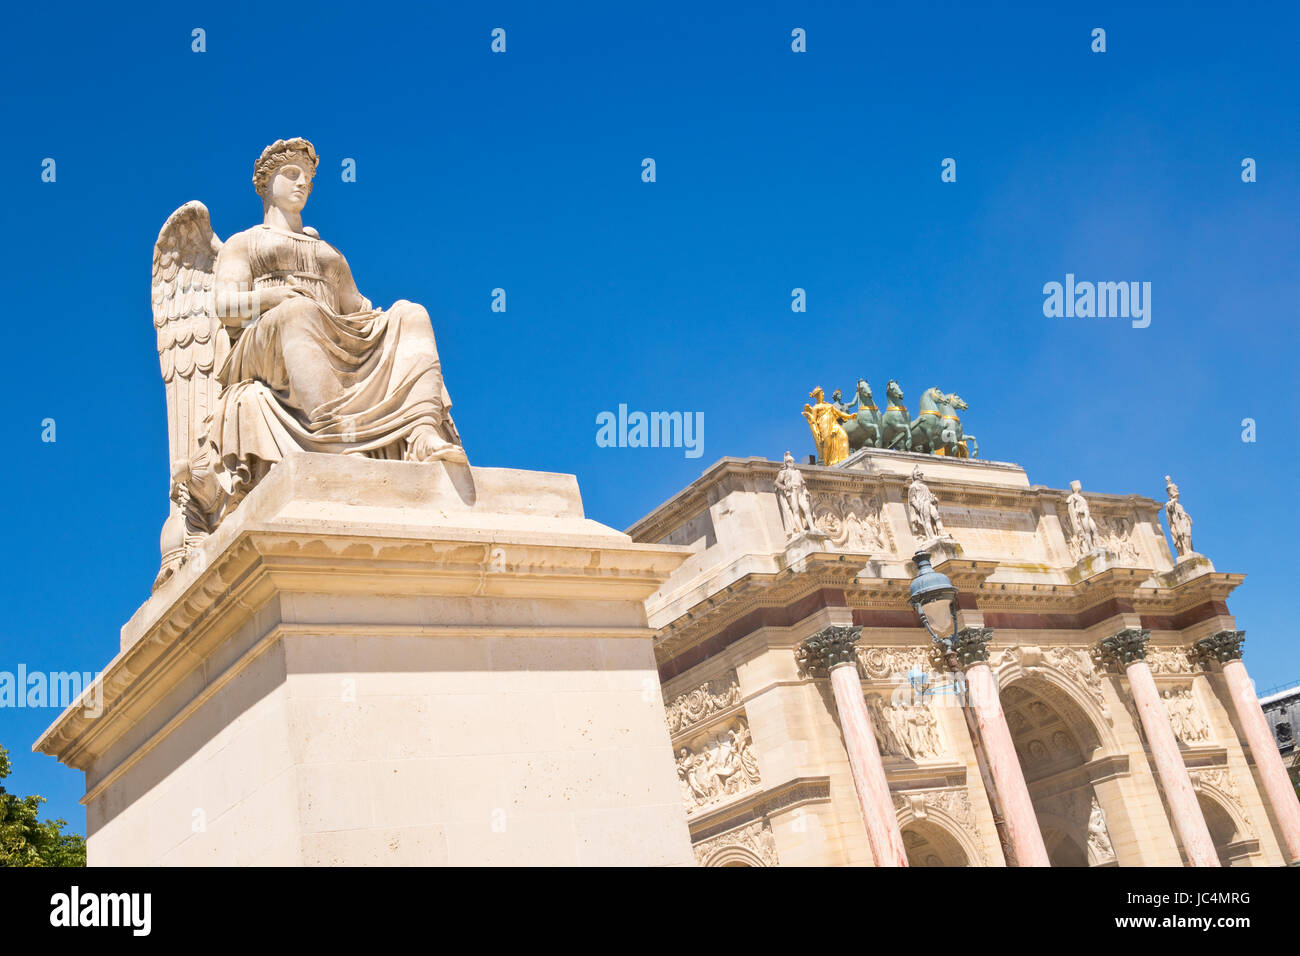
828	434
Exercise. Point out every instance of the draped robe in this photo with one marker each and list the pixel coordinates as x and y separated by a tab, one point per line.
304	376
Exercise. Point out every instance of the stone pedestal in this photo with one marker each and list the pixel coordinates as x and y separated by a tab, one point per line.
1093	563
803	544
389	663
1189	566
941	549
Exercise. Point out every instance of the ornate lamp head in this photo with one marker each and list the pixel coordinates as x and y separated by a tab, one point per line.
935	599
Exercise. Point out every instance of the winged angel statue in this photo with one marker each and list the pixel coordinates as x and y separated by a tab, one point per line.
267	348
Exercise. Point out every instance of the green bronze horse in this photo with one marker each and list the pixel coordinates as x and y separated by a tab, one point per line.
955	441
865	429
896	423
927	430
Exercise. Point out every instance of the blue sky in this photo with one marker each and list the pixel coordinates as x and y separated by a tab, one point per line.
775	170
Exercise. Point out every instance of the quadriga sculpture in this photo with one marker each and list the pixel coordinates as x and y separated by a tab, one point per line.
937	430
267	347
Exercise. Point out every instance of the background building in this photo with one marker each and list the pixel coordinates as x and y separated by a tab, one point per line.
1282	711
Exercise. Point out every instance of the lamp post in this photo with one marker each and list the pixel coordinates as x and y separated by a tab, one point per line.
934	597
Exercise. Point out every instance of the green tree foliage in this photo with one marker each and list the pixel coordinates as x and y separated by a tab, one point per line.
26	841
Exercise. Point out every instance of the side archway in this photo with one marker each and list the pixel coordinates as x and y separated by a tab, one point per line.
733	856
1229	830
937	839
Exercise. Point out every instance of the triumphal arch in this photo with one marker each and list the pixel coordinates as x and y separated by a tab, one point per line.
1086	706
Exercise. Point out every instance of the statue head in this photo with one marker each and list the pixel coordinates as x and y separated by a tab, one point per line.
1076	487
956	402
864	388
284	172
837	396
789	460
894	390
817	395
916	473
1170	488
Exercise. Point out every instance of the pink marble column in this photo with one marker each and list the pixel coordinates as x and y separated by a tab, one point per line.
1128	650
1225	647
971	648
868	770
834	649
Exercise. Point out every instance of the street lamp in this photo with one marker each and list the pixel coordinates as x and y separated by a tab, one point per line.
935	599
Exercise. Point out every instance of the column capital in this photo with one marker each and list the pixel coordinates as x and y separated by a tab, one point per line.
971	645
1127	647
1222	647
830	646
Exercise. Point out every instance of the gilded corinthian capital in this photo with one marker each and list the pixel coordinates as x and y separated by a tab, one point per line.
1222	647
971	646
1126	647
828	647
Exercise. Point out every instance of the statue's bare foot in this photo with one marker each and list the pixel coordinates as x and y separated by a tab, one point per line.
425	444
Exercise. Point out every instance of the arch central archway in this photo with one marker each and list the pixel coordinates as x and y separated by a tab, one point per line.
1055	740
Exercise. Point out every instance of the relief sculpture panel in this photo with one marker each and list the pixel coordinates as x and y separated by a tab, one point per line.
711	697
852	523
717	764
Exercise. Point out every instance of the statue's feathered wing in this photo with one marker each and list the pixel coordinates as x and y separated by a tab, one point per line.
192	344
191	341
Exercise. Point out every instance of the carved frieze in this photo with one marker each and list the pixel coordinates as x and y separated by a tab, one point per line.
1185	716
905	729
853	522
893	663
1100	848
954	801
687	709
1077	666
1170	660
717	764
755	837
1119	536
